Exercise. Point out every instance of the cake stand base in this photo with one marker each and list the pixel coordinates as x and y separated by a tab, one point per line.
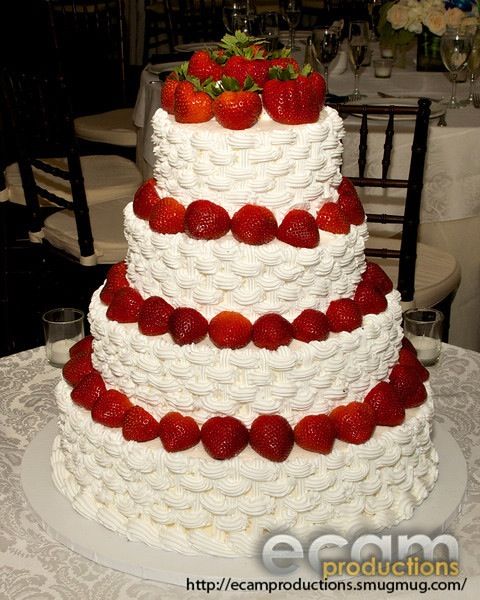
95	542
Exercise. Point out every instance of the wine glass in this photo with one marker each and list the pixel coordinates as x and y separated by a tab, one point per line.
230	10
246	23
358	38
473	66
326	42
292	12
455	49
270	29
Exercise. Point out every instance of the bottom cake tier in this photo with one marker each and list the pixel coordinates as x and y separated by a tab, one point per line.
190	503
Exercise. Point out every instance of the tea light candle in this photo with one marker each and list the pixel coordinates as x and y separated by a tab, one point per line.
383	68
59	351
428	349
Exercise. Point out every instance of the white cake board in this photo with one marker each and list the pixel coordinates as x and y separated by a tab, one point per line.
109	549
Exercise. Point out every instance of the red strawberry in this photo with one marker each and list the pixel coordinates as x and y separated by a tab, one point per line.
167	94
110	409
271	331
84	346
167	216
330	218
139	425
230	329
408	385
344	315
224	437
76	368
310	325
153	316
116	280
406	343
254	225
349	203
294	101
408	359
191	104
145	199
237	109
283	62
376	277
125	306
205	220
315	433
187	326
202	66
238	68
272	437
88	390
178	432
386	404
354	423
369	299
258	71
299	229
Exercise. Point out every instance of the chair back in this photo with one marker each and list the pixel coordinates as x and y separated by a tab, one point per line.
191	21
42	124
412	183
89	37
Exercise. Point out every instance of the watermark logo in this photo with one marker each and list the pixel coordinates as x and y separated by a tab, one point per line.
333	555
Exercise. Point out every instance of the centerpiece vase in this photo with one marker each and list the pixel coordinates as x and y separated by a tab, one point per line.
428	52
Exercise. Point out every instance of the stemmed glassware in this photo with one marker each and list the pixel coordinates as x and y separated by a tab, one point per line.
358	39
473	66
455	49
292	12
270	29
326	42
232	10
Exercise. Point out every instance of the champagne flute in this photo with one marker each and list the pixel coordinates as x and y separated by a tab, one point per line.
292	12
473	66
455	49
326	42
358	38
270	29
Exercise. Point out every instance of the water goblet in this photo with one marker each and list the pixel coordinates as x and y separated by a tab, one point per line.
230	10
358	38
455	49
292	12
270	29
326	42
473	66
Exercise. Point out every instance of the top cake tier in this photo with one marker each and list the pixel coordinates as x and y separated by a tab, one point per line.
282	167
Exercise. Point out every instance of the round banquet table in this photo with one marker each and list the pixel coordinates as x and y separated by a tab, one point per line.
450	216
35	566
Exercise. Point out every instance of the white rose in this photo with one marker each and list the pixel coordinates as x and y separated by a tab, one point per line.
435	21
398	16
453	17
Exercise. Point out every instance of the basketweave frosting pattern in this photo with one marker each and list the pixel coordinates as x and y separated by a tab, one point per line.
190	503
279	166
204	381
224	274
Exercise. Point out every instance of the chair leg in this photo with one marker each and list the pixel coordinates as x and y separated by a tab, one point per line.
446	307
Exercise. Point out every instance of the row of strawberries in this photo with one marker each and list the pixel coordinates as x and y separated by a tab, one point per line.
252	224
230	329
226	84
271	436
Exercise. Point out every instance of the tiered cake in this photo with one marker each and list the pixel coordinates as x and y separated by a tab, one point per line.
246	373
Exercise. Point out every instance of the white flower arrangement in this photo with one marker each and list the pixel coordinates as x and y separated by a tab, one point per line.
436	15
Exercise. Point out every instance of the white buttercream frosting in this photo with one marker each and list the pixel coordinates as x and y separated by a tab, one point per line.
279	166
202	380
224	274
191	503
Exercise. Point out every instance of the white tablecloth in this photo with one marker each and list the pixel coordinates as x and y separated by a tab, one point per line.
450	216
34	566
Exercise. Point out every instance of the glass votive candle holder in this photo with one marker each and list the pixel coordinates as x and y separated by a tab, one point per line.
63	327
383	67
387	51
424	327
